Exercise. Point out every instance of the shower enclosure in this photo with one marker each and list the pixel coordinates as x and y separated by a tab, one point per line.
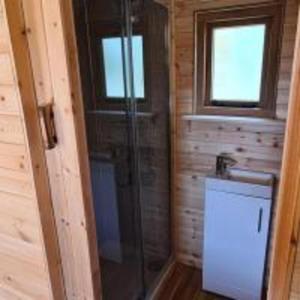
123	55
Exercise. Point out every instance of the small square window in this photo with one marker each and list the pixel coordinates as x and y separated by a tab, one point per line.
237	60
237	63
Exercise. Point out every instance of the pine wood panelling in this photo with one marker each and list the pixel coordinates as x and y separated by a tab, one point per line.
285	270
255	144
184	283
13	157
6	75
4	41
11	130
18	223
8	100
24	268
16	182
49	24
295	288
285	70
33	11
256	147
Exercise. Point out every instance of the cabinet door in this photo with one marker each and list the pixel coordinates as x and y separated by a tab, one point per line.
235	239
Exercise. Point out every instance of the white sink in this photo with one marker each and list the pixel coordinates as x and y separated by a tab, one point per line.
250	183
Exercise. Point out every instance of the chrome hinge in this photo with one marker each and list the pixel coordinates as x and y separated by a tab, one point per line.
48	125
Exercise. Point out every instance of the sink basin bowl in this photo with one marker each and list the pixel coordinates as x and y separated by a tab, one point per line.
249	183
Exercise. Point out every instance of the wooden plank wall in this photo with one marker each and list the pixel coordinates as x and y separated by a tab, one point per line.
52	47
256	145
24	270
295	283
295	288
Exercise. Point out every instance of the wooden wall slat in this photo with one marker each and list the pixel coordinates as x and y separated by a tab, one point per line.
13	157
34	16
6	74
11	130
25	211
15	264
18	224
16	182
8	100
53	83
4	41
295	287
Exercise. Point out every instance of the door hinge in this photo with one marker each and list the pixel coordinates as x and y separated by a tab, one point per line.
48	125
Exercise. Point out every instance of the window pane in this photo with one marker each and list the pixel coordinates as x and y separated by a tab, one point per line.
237	62
113	67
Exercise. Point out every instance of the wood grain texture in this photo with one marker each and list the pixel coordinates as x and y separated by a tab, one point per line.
295	287
184	283
256	145
285	263
29	256
49	23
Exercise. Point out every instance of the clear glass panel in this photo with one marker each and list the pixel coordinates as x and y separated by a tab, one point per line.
113	66
237	62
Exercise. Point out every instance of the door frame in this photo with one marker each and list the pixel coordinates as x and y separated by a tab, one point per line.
287	223
76	97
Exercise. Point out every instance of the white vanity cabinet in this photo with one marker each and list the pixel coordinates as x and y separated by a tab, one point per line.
236	226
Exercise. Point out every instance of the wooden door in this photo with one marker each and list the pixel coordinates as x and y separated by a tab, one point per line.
46	35
29	254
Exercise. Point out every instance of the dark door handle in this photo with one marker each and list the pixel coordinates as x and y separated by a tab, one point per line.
260	217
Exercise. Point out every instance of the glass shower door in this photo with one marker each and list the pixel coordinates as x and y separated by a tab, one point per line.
105	57
124	73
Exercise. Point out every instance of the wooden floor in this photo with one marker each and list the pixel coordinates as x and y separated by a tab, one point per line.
184	283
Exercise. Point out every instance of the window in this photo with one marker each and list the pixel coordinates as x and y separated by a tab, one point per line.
237	60
114	67
110	84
